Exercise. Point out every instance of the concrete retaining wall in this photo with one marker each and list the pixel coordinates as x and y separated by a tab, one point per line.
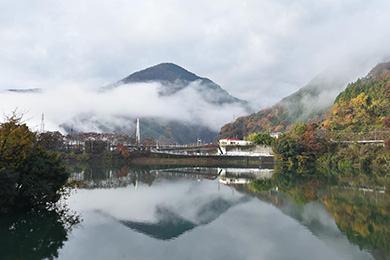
257	149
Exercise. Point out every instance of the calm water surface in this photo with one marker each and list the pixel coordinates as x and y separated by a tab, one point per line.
193	214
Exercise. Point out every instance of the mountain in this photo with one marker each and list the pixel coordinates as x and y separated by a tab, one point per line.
164	72
308	104
380	72
189	107
174	79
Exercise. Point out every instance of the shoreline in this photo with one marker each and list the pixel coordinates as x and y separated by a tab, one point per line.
144	158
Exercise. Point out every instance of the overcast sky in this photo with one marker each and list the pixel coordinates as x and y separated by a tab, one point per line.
260	50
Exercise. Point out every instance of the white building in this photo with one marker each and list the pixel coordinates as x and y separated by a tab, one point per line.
224	142
236	147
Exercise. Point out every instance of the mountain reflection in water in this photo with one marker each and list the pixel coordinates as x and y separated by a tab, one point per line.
171	225
281	215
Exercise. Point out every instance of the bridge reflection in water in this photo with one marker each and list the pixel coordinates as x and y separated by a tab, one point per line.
90	179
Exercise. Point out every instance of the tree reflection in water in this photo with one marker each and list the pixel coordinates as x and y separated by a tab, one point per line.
35	235
358	201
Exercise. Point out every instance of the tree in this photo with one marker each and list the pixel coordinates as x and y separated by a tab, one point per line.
299	128
123	150
30	177
387	143
52	141
287	148
16	140
313	145
386	90
263	138
386	122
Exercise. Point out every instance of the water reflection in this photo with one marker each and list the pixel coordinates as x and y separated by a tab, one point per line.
36	235
91	179
336	216
359	205
171	225
168	220
239	176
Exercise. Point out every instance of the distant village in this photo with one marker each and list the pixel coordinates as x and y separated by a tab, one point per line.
90	142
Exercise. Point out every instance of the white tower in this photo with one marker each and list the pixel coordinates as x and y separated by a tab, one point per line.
137	133
42	130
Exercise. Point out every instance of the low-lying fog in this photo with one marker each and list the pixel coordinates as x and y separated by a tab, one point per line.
72	103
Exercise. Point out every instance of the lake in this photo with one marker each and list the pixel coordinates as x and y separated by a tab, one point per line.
207	213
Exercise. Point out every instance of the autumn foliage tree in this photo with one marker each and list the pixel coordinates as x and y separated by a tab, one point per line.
302	146
387	143
123	150
262	138
30	177
287	149
386	122
311	143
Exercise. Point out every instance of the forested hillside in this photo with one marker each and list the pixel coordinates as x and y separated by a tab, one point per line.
364	105
306	105
356	130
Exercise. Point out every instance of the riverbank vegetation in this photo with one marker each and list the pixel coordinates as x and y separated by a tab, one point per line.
30	177
355	132
311	145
